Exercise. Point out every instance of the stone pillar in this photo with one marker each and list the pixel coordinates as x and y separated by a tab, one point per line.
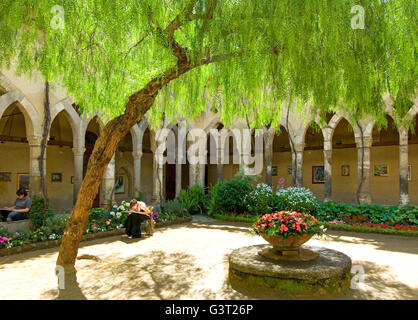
34	170
107	194
327	170
158	180
178	179
297	165
403	166
363	157
219	166
137	155
268	140
78	170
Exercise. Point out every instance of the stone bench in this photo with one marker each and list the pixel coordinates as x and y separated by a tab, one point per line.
13	226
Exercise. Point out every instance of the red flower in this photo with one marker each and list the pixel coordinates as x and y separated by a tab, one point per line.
283	228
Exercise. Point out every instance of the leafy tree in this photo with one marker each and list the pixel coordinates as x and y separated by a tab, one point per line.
125	58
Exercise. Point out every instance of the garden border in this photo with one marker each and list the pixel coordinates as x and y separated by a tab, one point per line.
86	237
330	226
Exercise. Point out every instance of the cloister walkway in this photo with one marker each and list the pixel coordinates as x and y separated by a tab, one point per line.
190	261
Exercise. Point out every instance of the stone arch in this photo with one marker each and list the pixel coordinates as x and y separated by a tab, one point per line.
86	120
73	118
32	119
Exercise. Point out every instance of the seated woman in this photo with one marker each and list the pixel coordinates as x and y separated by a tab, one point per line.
21	208
139	213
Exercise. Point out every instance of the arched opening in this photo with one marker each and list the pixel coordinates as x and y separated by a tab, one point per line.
282	160
344	164
211	168
313	161
92	133
147	178
123	166
60	164
14	148
413	163
170	168
384	168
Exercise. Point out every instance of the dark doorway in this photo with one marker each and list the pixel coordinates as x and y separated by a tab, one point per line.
90	140
170	181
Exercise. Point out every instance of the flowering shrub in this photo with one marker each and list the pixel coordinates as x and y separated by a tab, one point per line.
262	200
288	223
298	199
172	210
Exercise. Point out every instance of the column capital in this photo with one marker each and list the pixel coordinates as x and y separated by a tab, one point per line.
34	141
137	155
368	141
327	145
79	151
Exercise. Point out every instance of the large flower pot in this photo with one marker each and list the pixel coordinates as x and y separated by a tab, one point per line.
289	245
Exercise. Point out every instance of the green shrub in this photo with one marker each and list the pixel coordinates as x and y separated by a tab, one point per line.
99	214
175	208
298	199
229	197
39	213
56	225
194	199
262	200
331	210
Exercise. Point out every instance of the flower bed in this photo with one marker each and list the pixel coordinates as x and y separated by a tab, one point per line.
32	246
100	220
287	223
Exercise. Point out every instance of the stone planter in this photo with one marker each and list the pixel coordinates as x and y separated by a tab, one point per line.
289	245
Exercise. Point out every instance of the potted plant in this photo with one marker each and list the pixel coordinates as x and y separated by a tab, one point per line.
286	231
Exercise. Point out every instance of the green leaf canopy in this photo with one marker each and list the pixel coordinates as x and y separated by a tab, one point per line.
248	56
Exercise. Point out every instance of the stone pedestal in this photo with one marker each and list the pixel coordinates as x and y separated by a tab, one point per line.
259	277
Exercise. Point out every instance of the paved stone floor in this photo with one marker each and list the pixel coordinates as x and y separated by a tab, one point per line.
190	261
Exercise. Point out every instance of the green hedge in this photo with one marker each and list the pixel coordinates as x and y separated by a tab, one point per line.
330	226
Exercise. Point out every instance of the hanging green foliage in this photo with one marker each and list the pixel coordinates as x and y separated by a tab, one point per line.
248	57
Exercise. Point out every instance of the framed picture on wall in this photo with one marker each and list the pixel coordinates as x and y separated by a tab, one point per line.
5	176
23	181
120	184
56	177
409	172
318	174
345	170
274	171
381	170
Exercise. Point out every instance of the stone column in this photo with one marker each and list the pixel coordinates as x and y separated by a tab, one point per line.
403	166
297	165
34	170
268	140
327	170
137	155
363	157
78	170
158	180
107	193
178	179
219	166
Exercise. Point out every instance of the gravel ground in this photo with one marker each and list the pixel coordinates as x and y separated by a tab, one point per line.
190	261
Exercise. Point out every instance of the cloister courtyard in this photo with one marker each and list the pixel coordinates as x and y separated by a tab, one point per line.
190	261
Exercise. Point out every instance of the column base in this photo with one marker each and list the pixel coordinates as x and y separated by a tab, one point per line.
404	200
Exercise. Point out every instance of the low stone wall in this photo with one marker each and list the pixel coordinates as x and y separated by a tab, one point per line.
86	237
13	226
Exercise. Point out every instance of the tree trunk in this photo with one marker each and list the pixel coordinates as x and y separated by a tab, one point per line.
103	151
47	125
